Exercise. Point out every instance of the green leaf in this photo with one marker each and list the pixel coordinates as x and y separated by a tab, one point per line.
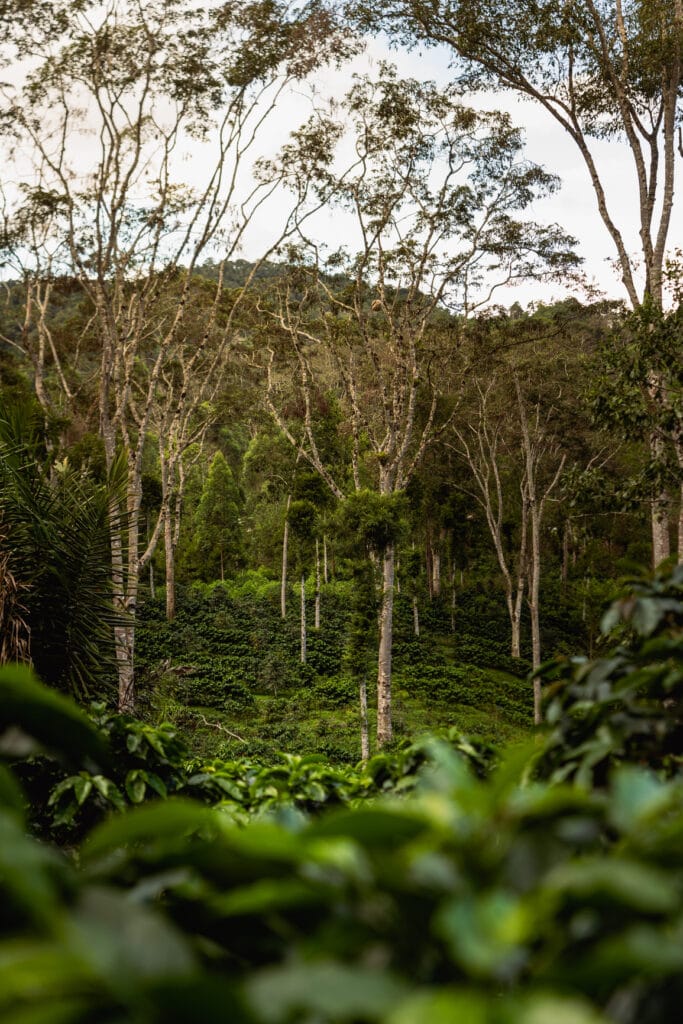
647	615
372	826
150	822
55	721
447	1006
637	795
550	1008
11	797
487	935
323	989
110	791
82	787
618	880
136	785
28	870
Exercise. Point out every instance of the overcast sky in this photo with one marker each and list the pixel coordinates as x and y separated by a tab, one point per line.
574	207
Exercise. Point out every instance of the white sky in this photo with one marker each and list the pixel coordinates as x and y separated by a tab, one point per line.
573	207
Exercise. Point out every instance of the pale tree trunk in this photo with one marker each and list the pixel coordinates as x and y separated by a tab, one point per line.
169	552
416	617
325	577
661	546
565	551
283	577
124	597
453	597
125	569
534	588
386	622
515	612
436	573
364	730
303	619
152	588
482	453
317	585
536	446
429	566
124	634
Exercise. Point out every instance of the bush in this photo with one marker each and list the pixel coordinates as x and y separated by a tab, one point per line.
211	683
473	899
628	704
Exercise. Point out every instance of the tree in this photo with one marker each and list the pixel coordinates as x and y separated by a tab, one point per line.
434	191
218	533
602	69
643	347
108	108
55	571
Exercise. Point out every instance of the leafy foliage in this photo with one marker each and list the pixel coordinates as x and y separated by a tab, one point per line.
625	705
496	900
54	527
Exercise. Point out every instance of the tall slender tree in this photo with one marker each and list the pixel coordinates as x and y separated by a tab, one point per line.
109	107
436	190
601	69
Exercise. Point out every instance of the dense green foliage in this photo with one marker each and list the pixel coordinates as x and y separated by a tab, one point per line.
436	884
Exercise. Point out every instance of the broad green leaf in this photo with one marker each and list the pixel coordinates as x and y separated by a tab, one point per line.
136	785
55	721
110	791
82	787
445	1006
37	971
487	935
323	989
122	941
626	882
150	822
637	795
28	870
372	826
11	797
264	896
549	1008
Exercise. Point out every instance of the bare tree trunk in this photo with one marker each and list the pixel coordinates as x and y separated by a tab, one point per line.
125	574
565	551
661	545
364	730
317	584
325	577
303	619
386	622
436	574
169	552
453	597
152	589
534	586
283	578
515	611
429	565
416	617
